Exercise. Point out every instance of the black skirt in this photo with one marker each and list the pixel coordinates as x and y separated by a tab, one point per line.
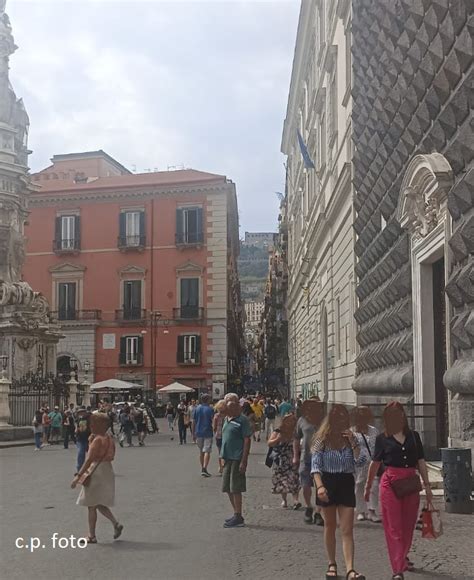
340	489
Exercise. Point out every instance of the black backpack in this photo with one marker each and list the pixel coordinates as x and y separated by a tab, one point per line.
270	412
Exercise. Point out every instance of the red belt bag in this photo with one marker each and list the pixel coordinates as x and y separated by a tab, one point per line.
406	486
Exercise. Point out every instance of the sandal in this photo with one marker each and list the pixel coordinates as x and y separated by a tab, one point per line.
398	577
91	540
297	506
331	571
118	528
356	577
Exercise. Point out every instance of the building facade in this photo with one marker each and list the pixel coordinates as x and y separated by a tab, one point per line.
272	348
253	313
140	270
414	183
320	213
259	239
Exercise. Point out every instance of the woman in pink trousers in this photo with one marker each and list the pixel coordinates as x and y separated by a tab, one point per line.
401	451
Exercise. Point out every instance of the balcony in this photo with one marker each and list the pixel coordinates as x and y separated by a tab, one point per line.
188	313
131	243
189	238
66	246
190	359
65	314
129	314
130	359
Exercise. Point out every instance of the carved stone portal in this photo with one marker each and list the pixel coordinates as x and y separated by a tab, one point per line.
423	197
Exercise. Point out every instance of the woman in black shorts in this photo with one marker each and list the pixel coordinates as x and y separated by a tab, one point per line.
335	452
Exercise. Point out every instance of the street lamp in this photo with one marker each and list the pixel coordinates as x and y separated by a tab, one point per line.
73	366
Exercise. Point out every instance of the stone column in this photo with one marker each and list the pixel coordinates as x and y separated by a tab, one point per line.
72	384
86	399
5	385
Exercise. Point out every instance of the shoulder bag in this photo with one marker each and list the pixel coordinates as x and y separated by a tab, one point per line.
381	468
407	485
85	478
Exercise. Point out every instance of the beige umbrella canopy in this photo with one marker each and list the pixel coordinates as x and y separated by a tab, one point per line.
113	385
176	388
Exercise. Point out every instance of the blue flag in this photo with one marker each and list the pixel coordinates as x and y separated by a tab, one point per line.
308	163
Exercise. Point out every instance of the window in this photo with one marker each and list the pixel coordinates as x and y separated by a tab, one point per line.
322	25
131	350
189	298
67	301
67	236
189	349
132	229
132	299
348	48
189	227
322	142
333	105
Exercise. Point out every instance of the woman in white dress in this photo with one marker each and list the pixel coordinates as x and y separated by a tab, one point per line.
99	492
366	435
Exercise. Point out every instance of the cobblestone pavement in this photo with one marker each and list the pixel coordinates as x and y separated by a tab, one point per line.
173	524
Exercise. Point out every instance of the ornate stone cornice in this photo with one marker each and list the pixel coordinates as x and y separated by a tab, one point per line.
99	195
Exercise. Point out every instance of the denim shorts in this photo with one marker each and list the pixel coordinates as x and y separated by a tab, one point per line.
306	479
204	444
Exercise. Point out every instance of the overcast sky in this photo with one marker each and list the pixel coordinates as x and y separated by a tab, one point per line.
158	84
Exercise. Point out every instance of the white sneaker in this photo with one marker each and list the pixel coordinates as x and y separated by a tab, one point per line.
360	517
37	448
373	517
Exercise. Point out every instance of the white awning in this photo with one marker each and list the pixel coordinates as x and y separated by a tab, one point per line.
176	388
113	385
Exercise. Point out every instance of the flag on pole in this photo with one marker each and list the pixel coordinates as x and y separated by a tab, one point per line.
308	163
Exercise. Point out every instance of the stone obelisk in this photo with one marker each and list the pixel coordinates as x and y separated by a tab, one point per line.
28	337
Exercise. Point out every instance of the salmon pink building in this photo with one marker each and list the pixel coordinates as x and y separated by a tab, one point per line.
140	271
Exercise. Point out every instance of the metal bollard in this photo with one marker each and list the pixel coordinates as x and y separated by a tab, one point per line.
457	478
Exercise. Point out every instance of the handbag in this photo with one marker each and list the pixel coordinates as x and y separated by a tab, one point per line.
269	457
408	485
86	477
432	526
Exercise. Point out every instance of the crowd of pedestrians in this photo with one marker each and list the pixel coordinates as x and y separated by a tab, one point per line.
346	470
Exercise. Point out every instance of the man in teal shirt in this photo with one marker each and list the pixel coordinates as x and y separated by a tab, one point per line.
56	422
285	408
236	438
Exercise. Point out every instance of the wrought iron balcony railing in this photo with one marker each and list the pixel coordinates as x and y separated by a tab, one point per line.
73	314
192	358
131	242
130	359
189	238
66	245
188	313
130	314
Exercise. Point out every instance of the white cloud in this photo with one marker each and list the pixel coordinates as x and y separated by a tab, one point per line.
158	84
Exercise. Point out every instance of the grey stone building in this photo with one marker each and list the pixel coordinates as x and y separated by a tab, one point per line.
414	197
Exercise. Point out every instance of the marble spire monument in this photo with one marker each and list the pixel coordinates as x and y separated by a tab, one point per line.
28	336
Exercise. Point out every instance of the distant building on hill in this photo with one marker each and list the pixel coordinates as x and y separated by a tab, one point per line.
259	239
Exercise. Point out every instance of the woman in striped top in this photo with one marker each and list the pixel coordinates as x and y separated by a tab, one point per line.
335	453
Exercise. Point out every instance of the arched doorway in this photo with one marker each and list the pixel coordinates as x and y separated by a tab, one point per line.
63	365
422	211
324	354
